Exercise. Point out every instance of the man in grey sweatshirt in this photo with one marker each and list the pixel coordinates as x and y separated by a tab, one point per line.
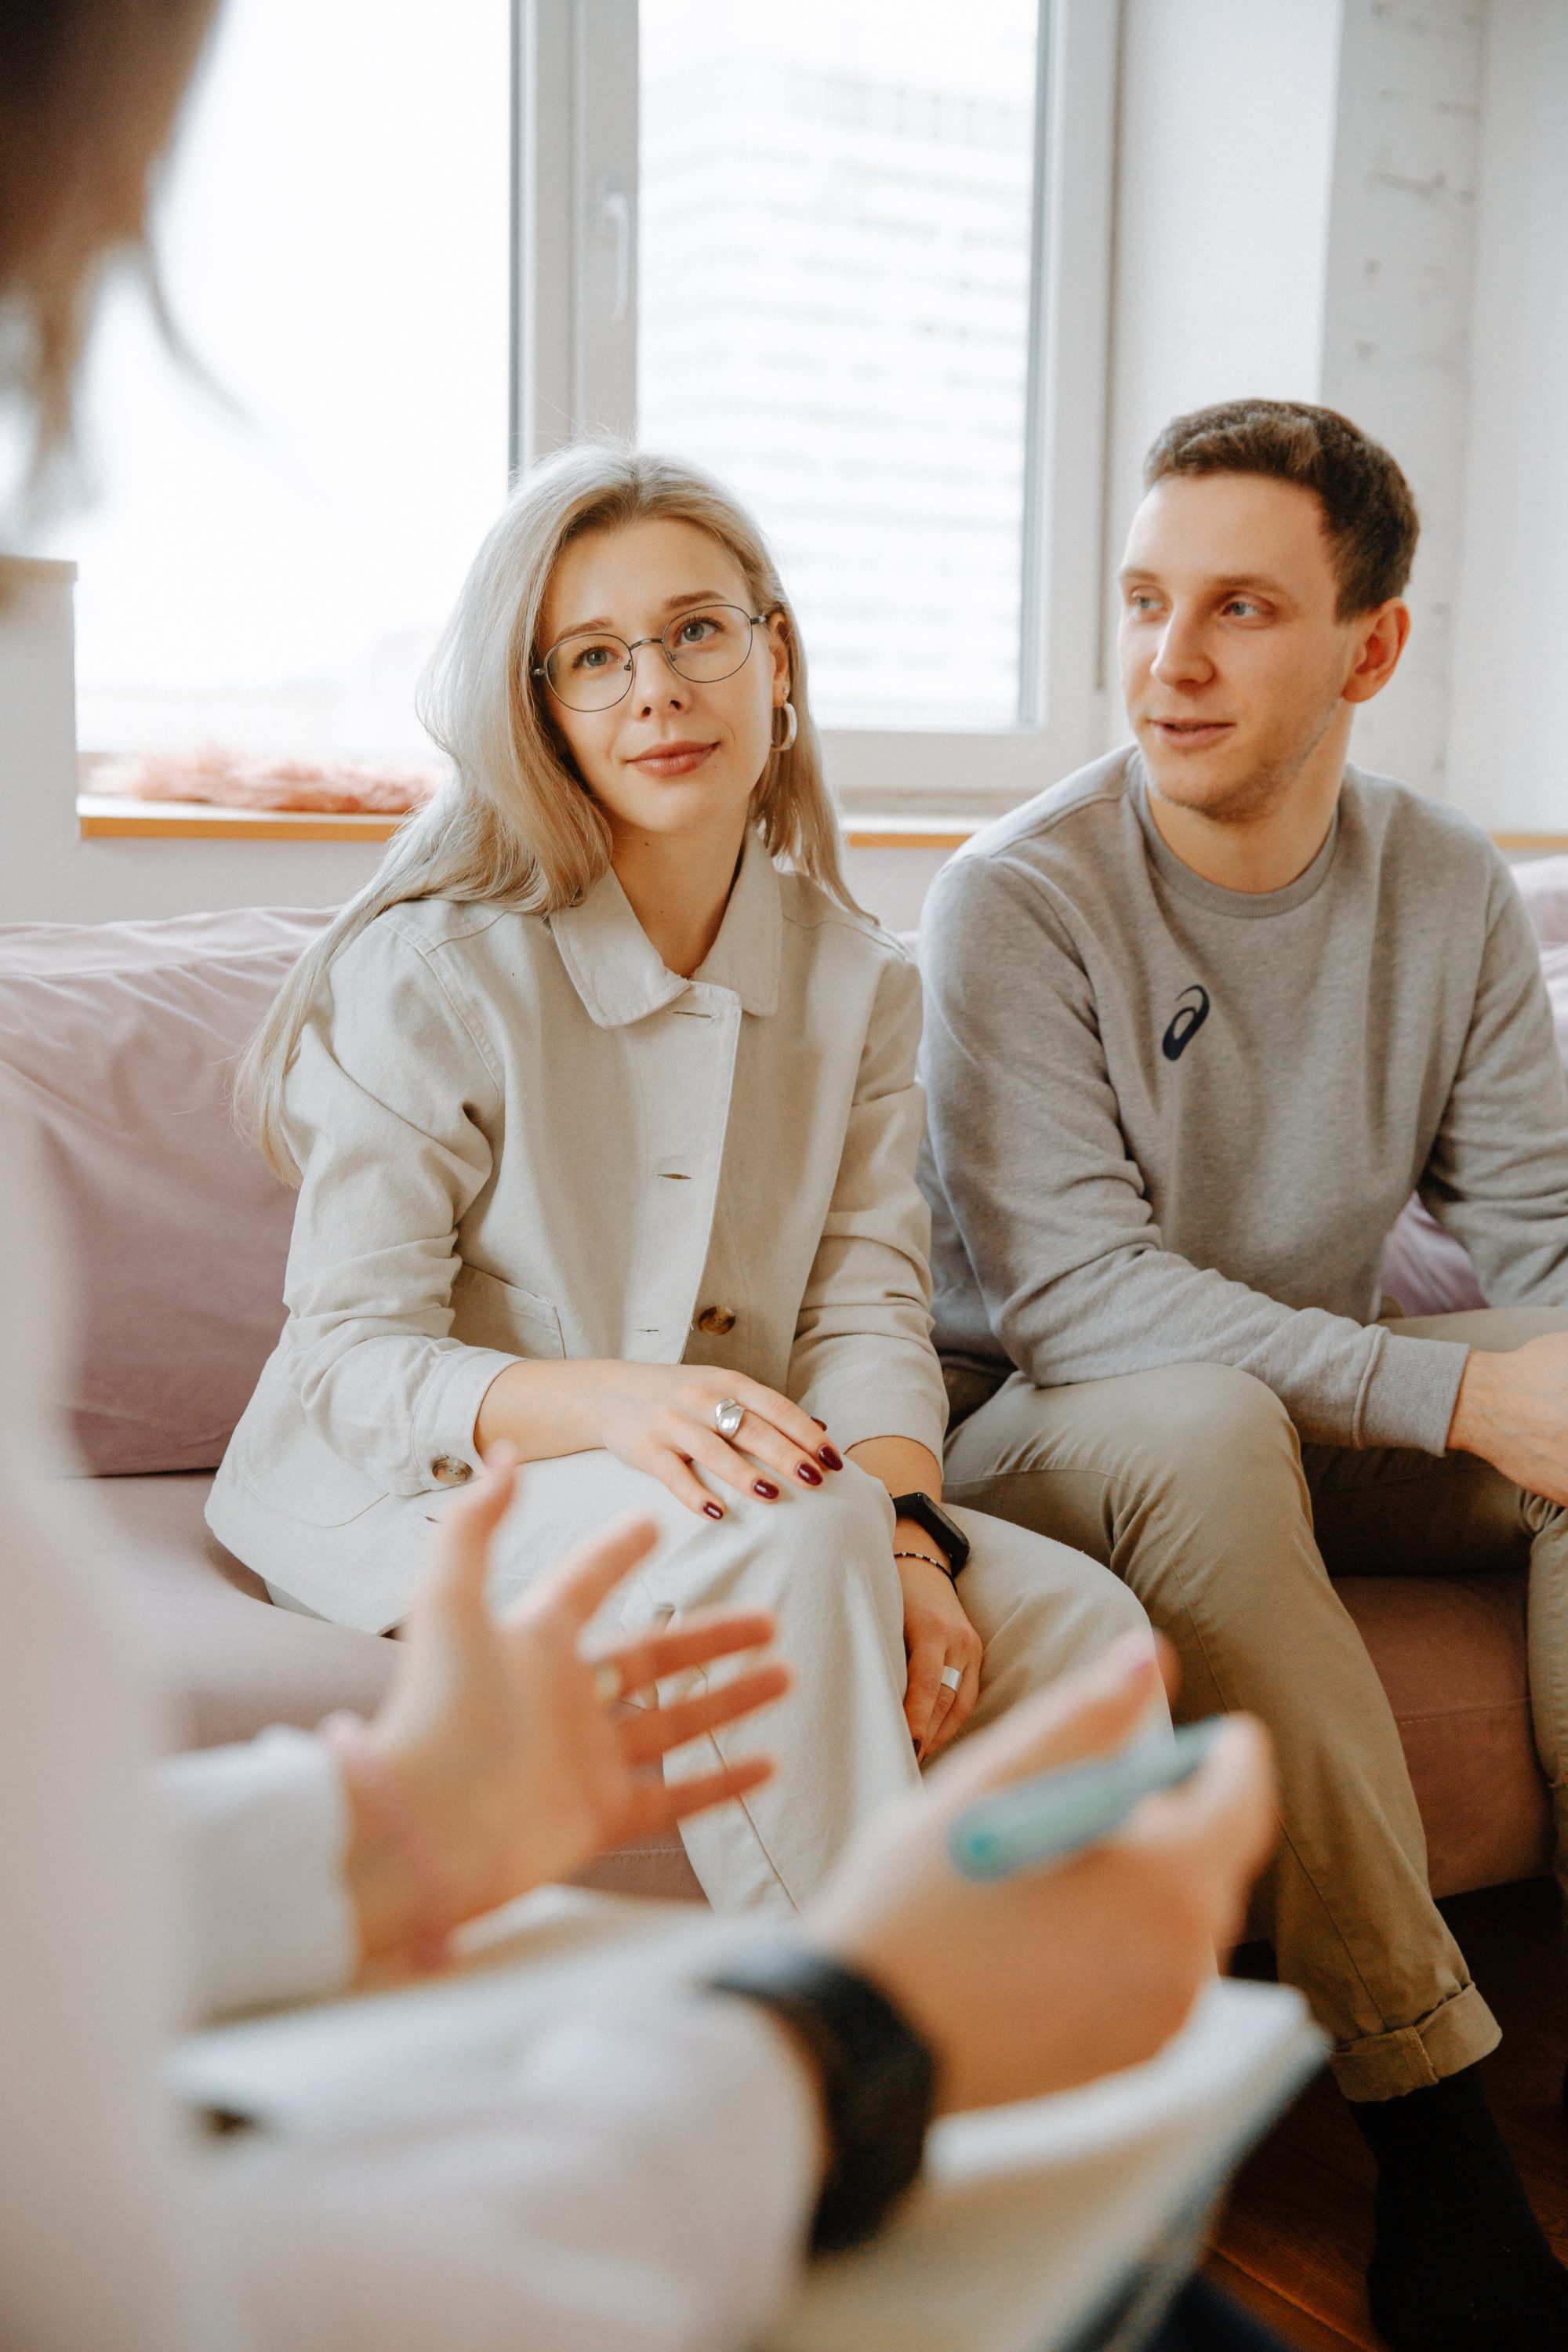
1198	1020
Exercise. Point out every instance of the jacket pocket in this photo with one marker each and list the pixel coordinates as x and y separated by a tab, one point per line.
291	1469
489	1313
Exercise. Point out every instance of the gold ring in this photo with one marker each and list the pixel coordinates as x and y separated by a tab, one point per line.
607	1681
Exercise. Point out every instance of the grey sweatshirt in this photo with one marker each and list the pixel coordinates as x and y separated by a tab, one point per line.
1172	1123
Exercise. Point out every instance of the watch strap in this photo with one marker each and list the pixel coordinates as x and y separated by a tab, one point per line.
878	2080
946	1533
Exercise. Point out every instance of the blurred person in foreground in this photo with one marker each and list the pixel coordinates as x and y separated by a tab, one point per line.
685	2142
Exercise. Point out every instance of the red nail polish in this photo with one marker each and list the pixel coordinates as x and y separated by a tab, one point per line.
712	1510
766	1488
809	1473
831	1457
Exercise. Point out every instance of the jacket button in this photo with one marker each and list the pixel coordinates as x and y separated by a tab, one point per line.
447	1471
715	1321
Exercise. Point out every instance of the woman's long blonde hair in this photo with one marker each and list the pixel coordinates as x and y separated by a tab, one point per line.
515	823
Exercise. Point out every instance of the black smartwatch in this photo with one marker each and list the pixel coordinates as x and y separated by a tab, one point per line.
946	1533
878	2080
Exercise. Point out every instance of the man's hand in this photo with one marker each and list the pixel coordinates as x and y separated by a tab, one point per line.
1512	1410
513	1765
1051	1977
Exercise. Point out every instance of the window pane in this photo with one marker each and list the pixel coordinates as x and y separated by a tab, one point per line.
832	314
336	252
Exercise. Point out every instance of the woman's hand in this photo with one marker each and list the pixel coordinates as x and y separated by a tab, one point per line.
937	1638
659	1418
509	1766
1034	1983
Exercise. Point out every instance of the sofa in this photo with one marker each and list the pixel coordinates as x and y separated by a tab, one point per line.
117	1043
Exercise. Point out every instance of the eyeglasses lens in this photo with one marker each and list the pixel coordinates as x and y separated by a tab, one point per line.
593	671
710	644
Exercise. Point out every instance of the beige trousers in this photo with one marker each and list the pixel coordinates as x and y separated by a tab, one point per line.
822	1561
1190	1482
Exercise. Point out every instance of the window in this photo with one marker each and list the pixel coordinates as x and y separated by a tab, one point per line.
835	230
853	255
855	259
335	248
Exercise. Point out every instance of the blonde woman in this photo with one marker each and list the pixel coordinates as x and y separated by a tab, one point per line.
601	1105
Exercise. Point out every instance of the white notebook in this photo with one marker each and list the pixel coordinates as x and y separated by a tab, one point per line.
1051	2224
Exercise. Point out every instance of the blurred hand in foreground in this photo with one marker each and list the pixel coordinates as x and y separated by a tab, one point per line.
1046	1979
502	1759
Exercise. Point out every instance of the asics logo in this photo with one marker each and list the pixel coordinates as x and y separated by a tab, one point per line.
1192	1011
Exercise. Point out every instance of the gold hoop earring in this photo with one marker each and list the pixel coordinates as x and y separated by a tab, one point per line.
792	727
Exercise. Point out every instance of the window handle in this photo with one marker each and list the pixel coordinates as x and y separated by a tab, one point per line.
616	221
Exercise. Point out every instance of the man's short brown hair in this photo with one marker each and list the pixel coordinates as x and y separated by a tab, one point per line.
1369	510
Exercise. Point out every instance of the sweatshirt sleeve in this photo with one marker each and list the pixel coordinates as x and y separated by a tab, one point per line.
863	1359
1047	1203
387	1102
1496	1176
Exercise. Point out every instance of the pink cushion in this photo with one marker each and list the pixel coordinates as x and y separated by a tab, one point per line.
1544	886
122	1036
1425	1269
1450	1652
230	1662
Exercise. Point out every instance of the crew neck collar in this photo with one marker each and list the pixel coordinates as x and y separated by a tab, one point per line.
1246	906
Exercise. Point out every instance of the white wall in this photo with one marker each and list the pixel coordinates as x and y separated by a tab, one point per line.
1397	320
38	733
1225	172
1297	206
1508	759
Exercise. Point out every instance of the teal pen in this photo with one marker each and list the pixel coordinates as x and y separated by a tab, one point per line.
1057	1815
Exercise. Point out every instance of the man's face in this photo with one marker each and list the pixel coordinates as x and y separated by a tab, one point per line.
1233	663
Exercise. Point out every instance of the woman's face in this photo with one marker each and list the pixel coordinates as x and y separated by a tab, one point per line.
675	755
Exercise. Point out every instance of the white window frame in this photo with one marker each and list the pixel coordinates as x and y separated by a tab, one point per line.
574	366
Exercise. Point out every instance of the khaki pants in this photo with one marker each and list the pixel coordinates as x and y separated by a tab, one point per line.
1190	1482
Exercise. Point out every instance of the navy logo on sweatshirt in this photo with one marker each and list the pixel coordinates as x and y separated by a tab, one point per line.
1192	1011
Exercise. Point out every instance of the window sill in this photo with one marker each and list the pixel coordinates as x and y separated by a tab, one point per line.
103	816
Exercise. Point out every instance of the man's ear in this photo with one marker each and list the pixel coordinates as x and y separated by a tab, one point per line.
1380	638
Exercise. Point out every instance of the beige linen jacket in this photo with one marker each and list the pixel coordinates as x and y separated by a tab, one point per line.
521	1136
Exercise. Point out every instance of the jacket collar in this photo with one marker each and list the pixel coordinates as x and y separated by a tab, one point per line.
618	972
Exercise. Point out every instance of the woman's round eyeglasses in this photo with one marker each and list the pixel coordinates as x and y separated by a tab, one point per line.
593	669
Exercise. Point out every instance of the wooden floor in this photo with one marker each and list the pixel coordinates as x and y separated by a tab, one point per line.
1294	2238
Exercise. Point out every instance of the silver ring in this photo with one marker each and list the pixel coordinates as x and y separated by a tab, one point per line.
951	1676
728	1415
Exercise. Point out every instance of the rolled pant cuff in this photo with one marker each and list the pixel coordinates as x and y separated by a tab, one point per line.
1412	2058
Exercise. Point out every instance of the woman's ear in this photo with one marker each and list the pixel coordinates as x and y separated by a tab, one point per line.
779	652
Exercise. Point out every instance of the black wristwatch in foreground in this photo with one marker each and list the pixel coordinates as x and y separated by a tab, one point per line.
946	1533
878	2080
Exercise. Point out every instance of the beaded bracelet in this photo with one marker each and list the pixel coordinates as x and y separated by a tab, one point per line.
373	1780
931	1560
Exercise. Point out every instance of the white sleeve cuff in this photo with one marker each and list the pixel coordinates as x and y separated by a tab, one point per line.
259	1832
449	1404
